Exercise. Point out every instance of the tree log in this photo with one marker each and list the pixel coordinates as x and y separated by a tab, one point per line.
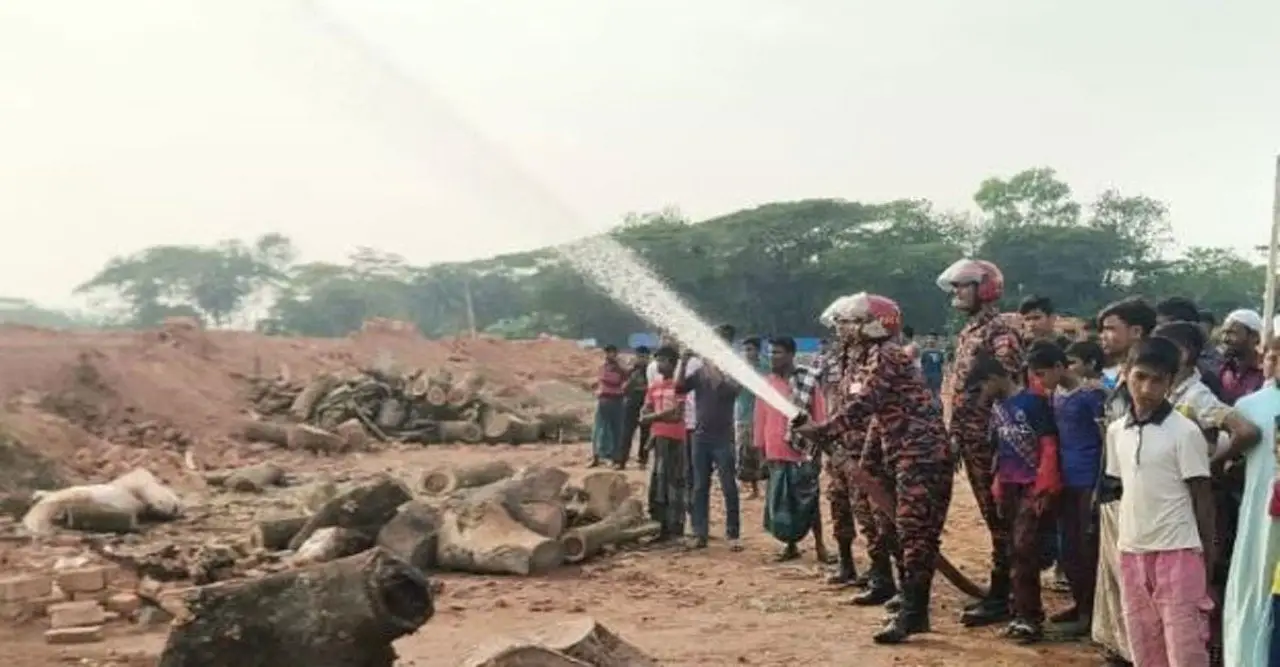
460	431
436	396
546	518
344	613
505	427
529	656
605	489
255	478
100	520
587	541
581	641
411	535
253	430
638	532
331	543
366	508
443	481
304	404
274	534
493	529
312	439
391	413
355	437
465	390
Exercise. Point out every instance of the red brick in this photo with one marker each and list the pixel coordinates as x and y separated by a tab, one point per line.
75	614
83	580
25	587
82	635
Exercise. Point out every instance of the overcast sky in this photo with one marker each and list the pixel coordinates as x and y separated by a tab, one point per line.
136	122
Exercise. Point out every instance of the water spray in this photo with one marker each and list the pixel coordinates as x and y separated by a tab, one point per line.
618	271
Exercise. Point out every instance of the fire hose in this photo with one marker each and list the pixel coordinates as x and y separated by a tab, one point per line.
882	501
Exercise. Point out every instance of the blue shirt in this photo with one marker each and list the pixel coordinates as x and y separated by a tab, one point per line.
1079	415
1019	422
931	362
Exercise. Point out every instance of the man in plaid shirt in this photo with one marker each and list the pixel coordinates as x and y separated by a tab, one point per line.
791	507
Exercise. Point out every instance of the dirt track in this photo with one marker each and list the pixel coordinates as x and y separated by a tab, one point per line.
706	608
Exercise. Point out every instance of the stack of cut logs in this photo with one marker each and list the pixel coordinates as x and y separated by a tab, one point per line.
485	518
332	414
364	553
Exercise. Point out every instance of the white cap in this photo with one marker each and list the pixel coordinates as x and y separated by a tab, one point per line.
1249	319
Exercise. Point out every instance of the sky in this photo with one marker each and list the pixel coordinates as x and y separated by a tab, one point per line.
456	129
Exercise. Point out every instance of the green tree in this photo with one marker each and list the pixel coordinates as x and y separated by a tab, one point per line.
211	283
767	269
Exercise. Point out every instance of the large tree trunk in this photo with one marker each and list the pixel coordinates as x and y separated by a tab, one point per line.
581	641
492	529
366	508
443	481
344	613
587	541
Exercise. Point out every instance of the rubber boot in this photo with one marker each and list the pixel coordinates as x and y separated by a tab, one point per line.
895	603
911	618
846	572
880	587
992	609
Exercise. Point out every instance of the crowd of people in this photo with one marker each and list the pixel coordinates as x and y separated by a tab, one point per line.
1129	456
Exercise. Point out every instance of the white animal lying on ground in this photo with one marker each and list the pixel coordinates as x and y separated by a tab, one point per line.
138	493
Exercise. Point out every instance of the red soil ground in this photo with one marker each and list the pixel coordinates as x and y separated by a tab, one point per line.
87	406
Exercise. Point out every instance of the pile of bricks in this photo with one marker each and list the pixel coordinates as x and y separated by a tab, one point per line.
78	602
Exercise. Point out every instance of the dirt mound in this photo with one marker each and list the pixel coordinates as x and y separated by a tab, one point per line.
84	404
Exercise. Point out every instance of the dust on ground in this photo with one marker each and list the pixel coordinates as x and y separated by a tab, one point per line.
697	608
89	406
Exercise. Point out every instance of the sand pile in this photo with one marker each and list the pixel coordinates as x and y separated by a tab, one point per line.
84	405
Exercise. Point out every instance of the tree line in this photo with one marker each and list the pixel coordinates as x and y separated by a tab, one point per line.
772	268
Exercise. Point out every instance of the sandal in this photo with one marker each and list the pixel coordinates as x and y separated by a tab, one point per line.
1023	631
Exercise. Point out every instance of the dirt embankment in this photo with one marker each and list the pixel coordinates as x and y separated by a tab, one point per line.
90	405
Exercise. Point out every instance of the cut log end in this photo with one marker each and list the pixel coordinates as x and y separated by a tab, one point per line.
403	595
581	641
582	543
442	481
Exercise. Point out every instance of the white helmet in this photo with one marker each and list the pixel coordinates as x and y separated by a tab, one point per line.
840	309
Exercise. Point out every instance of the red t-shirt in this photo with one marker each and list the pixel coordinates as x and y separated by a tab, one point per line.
660	397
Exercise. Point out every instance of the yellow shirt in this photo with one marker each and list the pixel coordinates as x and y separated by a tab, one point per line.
1275	581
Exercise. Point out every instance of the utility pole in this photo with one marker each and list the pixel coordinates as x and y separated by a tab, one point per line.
471	311
1269	305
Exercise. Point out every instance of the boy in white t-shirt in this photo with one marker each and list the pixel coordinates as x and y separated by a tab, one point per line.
1166	515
